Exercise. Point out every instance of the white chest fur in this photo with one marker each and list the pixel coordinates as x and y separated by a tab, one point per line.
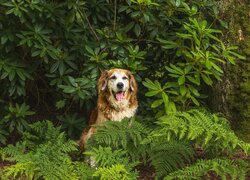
126	113
116	115
123	109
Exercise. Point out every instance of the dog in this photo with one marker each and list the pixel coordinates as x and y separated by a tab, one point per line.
117	100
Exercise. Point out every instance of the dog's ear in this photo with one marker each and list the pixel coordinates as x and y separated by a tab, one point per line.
133	84
103	81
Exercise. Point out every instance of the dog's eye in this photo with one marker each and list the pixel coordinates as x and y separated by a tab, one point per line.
113	77
124	78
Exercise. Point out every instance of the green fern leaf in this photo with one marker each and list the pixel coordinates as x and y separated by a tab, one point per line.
221	167
169	156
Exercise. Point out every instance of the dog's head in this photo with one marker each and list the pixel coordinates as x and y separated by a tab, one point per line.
120	83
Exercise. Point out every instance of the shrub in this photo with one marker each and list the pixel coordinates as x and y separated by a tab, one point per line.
58	49
15	119
72	125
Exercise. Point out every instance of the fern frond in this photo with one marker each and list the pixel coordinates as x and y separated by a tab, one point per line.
118	133
121	135
115	172
206	129
221	167
18	169
169	156
46	157
105	157
11	151
83	170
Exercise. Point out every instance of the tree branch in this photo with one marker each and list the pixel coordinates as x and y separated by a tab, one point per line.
91	28
115	15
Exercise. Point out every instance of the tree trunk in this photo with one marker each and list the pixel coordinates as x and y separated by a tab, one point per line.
232	95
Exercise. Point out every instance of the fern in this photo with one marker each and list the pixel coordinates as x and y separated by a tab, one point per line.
167	157
18	169
120	133
105	157
115	172
125	135
83	170
168	147
206	129
221	167
11	151
43	153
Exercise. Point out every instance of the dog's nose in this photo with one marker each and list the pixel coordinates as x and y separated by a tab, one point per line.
120	85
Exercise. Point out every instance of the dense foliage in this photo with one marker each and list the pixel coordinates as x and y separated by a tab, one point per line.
51	54
43	152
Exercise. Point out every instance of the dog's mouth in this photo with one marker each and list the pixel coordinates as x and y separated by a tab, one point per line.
119	95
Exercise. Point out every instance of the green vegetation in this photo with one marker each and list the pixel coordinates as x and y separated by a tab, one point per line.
51	55
238	100
42	152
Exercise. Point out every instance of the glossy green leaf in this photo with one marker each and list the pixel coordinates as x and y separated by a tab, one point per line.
207	79
156	103
165	98
181	80
137	30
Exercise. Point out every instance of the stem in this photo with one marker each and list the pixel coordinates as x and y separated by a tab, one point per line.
91	28
70	105
148	41
115	15
38	96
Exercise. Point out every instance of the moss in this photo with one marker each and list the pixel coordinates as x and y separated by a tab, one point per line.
240	101
232	95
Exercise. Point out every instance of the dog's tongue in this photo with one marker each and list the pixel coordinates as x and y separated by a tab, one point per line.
119	96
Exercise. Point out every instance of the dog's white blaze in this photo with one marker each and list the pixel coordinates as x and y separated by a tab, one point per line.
112	83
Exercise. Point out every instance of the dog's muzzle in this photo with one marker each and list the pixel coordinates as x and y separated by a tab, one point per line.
119	95
120	85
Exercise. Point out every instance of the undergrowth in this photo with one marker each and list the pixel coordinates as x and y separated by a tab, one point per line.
44	152
118	149
171	146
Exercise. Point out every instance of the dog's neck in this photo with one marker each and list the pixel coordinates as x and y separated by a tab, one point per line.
111	109
126	113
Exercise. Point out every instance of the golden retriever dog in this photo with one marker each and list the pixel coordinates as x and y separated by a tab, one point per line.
117	100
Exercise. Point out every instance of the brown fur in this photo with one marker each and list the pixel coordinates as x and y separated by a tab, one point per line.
105	110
